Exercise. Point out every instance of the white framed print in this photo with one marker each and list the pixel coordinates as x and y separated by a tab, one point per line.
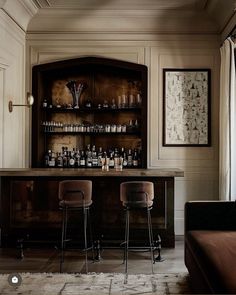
186	107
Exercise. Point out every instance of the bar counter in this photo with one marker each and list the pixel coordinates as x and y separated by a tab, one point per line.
91	172
29	204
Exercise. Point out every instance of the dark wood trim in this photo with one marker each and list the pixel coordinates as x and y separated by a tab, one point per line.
42	74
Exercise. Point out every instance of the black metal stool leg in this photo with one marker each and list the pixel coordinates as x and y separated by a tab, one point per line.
62	239
150	237
159	258
125	237
127	242
91	233
126	224
85	240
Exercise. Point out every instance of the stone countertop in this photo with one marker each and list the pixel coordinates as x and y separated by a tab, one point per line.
90	172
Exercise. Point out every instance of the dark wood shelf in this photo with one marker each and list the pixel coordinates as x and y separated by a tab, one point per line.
91	133
90	110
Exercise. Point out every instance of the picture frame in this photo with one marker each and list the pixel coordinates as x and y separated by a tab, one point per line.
186	107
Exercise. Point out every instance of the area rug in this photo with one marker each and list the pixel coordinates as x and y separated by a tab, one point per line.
102	283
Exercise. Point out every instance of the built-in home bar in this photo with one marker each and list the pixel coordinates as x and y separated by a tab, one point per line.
89	122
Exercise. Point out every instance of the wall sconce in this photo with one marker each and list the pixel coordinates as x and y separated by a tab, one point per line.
29	99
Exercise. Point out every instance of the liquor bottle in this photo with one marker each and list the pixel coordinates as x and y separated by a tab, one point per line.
52	160
65	158
59	160
77	159
46	159
71	160
94	157
89	157
87	150
104	159
82	159
129	158
116	159
125	160
111	162
100	157
135	158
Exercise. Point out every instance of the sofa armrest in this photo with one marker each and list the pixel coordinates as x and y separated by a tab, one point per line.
210	215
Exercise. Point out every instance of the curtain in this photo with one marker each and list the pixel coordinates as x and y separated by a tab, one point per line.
227	144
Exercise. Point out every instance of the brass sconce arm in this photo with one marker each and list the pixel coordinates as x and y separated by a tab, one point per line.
30	101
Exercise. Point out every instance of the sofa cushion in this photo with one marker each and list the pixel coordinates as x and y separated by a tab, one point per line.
215	254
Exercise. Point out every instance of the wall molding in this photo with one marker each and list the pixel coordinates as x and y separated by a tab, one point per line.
11	28
2	93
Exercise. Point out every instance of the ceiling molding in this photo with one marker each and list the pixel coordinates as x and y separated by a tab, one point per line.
41	3
228	28
20	11
123	21
222	12
117	4
149	16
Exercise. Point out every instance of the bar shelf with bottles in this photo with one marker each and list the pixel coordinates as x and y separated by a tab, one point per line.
55	127
89	101
93	158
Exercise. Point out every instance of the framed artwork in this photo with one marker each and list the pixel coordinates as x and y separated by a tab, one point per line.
186	107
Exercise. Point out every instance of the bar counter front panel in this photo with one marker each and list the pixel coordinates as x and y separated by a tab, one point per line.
29	205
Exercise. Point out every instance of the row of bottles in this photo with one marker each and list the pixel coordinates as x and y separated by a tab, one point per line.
54	126
92	157
122	101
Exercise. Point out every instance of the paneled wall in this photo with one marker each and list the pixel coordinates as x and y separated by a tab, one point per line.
157	52
13	130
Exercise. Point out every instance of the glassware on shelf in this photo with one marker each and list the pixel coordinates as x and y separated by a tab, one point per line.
131	101
139	100
88	103
113	103
113	128
52	126
123	128
45	103
76	88
118	128
108	128
119	104
105	104
124	101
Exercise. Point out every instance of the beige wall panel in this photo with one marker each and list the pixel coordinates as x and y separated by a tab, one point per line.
196	187
13	88
200	164
184	59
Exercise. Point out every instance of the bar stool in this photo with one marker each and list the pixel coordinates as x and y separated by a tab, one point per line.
75	195
137	195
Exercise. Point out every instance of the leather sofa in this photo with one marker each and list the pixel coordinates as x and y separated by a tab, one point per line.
210	246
